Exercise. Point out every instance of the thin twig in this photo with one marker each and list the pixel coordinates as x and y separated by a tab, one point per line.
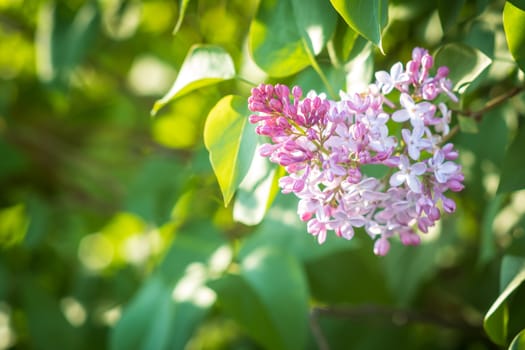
322	343
477	115
396	316
399	316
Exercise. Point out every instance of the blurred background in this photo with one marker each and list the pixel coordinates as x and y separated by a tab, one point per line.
95	193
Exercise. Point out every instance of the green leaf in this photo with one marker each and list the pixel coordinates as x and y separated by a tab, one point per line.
169	306
465	64
513	171
204	65
518	343
155	189
45	322
13	225
256	192
487	245
367	17
468	124
282	229
406	269
286	34
449	12
183	5
62	42
231	141
518	3
513	19
496	319
273	315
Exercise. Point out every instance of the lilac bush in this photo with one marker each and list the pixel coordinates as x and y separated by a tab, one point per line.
400	123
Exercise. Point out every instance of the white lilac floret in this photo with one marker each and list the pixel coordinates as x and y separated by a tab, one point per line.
324	144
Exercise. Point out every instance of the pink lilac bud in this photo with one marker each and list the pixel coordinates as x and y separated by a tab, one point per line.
381	246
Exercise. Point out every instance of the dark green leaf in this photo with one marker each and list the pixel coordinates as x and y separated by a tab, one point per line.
513	171
204	65
62	41
231	141
488	246
286	34
407	268
155	189
465	63
367	17
511	277
449	12
282	229
513	19
468	124
518	3
274	316
166	310
518	343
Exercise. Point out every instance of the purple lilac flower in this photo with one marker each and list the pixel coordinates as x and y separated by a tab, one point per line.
324	144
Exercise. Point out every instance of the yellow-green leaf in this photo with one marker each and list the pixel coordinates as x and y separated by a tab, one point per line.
204	65
231	141
513	21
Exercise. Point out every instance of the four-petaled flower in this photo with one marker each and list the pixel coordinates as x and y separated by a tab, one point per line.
409	174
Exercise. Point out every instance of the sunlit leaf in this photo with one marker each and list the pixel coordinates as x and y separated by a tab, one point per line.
518	343
13	225
513	171
286	34
183	5
367	17
204	65
231	141
511	277
513	19
256	191
465	63
274	316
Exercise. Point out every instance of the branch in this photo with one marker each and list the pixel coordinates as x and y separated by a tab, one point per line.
396	316
496	101
478	115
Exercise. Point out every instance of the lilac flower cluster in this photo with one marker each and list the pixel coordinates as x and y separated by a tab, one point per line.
326	147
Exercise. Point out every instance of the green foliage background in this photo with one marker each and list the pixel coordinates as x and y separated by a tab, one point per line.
113	227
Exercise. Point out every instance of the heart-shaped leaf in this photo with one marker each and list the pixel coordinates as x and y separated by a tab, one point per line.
367	17
286	34
496	319
513	20
204	65
465	63
231	141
